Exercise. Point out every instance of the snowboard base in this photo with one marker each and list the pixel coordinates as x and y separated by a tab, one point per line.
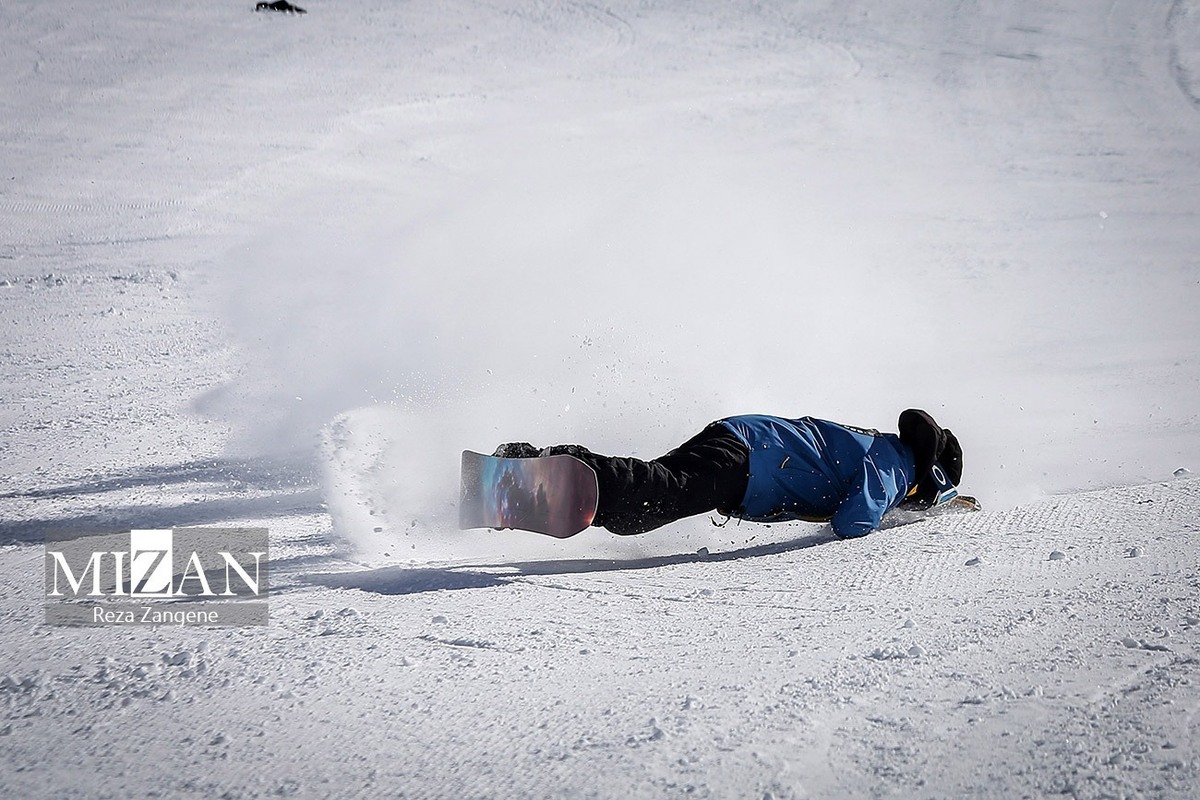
552	495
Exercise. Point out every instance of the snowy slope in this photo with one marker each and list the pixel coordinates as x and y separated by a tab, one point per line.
280	269
962	657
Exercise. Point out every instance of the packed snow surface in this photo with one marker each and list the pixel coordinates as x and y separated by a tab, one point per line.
278	270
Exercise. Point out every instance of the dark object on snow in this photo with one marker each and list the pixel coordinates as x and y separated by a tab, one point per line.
280	5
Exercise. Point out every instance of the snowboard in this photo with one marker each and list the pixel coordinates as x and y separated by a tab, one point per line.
958	504
554	495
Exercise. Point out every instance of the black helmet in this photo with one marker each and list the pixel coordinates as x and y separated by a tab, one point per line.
937	453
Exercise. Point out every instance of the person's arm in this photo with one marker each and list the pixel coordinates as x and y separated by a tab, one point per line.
871	496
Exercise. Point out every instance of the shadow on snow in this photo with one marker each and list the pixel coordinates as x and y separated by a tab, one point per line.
416	580
253	488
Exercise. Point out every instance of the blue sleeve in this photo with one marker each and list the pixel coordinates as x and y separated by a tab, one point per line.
871	496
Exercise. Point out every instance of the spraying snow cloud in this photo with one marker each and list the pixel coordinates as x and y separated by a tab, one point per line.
622	279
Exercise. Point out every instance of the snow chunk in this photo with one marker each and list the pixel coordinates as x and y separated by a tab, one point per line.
890	653
180	659
1142	644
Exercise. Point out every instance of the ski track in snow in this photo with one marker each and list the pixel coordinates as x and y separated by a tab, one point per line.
269	270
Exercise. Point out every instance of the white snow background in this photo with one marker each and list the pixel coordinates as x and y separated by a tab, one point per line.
281	269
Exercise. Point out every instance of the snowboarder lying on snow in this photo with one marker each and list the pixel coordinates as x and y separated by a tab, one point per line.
768	469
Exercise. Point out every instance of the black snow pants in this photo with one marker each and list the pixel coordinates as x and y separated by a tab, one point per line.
707	472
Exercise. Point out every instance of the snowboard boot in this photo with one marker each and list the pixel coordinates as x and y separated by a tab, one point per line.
516	450
579	451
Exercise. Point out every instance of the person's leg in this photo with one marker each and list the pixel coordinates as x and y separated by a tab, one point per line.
714	465
707	472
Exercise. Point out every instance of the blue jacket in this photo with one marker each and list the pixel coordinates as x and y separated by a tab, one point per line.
816	470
